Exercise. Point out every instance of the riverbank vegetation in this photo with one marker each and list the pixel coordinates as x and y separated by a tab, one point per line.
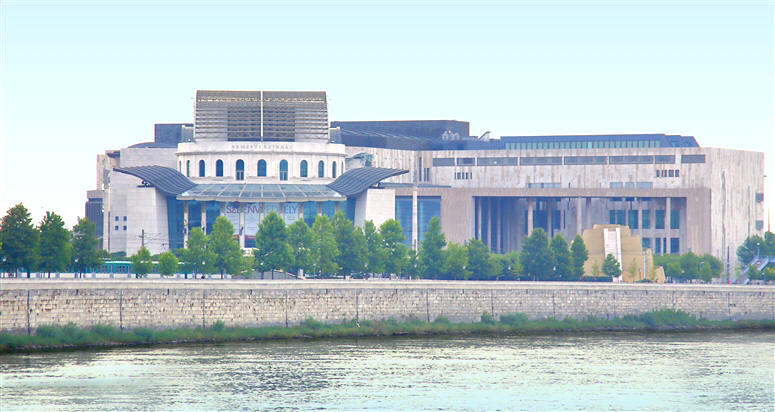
53	337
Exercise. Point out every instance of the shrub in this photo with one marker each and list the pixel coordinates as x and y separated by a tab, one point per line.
442	320
514	319
218	326
312	324
487	318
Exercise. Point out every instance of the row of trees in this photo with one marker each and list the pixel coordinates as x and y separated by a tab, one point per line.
753	247
690	266
47	247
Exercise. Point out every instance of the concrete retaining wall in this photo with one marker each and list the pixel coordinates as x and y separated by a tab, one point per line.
26	304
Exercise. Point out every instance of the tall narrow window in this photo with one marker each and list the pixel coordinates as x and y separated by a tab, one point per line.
240	169
262	168
283	169
303	168
219	168
333	170
201	168
188	168
321	169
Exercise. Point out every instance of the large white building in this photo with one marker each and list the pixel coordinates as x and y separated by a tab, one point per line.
251	153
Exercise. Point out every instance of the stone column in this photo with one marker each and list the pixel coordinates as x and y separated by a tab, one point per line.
478	209
549	213
204	216
578	216
241	228
415	227
489	223
499	224
185	222
530	208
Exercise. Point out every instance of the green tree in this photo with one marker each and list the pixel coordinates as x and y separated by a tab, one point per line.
196	257
54	244
706	273
272	252
20	241
611	266
690	266
511	268
301	240
479	260
84	246
579	256
412	269
750	247
225	248
431	249
142	264
168	263
536	257
396	251
455	261
375	247
563	264
351	244
324	249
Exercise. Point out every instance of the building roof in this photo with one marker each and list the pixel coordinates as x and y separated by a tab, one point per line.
355	181
166	180
246	192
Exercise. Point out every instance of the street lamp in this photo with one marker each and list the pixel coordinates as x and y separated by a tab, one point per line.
757	250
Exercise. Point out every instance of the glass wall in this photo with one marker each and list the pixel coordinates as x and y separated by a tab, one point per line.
659	219
427	208
212	211
175	222
675	219
194	214
404	216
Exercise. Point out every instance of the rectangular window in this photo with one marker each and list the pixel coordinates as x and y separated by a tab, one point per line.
645	185
443	161
645	243
116	218
615	185
630	159
464	161
427	174
585	160
759	197
674	245
659	219
124	218
674	219
427	208
496	161
677	173
645	219
116	228
404	217
536	161
657	246
611	217
670	173
696	158
664	159
632	219
124	227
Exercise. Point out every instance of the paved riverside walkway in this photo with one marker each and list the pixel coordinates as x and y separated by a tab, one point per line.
199	284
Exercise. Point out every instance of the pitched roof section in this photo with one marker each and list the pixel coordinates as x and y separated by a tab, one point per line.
355	181
166	180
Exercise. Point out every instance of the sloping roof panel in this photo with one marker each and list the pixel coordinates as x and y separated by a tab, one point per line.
166	180
355	181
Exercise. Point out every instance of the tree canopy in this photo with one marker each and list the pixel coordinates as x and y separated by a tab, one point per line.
55	249
142	263
536	257
579	256
272	252
85	256
431	249
20	241
561	258
395	250
611	266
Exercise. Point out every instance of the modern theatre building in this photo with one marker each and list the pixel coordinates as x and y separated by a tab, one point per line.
249	153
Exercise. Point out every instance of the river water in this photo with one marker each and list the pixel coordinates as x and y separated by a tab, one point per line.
590	371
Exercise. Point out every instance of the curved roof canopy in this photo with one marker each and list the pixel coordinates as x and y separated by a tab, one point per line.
166	180
257	192
355	181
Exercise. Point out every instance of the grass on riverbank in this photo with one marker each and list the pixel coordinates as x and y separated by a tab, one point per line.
69	336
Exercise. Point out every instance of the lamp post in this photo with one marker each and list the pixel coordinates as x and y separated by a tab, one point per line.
757	250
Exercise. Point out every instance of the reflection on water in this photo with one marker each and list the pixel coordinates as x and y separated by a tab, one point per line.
683	371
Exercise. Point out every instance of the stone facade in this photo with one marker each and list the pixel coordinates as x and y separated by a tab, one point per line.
27	304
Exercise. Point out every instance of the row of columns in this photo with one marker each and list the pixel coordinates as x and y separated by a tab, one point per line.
498	220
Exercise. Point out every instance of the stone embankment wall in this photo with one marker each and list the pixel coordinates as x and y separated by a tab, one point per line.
26	304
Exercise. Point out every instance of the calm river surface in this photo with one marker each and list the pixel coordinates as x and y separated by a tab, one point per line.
595	371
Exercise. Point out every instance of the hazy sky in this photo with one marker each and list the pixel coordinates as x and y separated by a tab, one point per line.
79	78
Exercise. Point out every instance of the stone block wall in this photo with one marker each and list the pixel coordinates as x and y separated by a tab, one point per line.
27	304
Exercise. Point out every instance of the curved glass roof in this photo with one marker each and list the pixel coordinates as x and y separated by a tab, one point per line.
247	192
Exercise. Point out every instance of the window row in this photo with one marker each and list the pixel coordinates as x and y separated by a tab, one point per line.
630	218
261	169
597	144
669	173
567	160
